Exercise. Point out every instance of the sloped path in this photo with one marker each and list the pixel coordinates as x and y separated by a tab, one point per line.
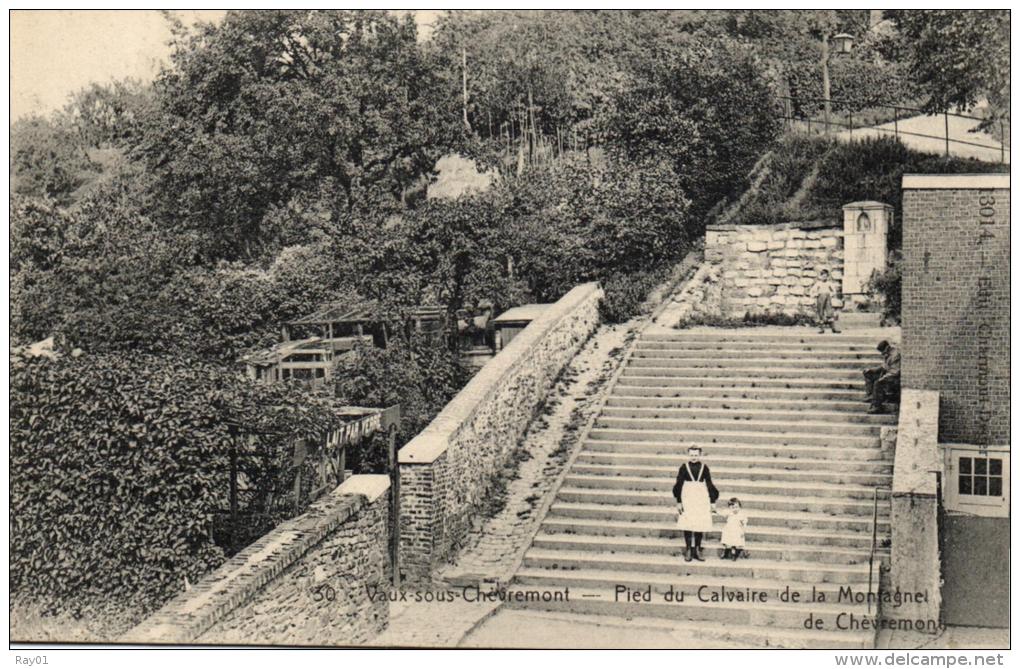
959	129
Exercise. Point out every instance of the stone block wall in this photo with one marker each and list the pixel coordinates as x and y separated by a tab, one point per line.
305	583
956	301
773	268
446	471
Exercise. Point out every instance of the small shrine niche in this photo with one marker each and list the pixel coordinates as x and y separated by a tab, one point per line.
865	236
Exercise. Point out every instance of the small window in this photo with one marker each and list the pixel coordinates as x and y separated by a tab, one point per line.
977	481
864	222
980	477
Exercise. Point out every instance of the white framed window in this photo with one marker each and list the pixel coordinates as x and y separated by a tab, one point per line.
977	480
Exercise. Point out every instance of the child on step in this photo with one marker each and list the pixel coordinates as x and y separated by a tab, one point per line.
733	533
825	313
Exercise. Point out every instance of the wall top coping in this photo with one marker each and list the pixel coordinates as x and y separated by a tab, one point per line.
433	441
955	181
805	225
372	486
867	204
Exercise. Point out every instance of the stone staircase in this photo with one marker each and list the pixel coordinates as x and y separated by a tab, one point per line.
782	418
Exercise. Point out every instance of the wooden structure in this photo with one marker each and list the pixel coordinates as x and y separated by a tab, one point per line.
510	323
341	327
320	467
309	360
475	335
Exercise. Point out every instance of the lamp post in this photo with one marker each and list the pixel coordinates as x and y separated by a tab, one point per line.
843	44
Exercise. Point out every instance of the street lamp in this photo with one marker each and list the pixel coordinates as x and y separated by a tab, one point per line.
843	44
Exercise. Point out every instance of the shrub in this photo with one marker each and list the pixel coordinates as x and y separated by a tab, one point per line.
889	284
626	295
748	320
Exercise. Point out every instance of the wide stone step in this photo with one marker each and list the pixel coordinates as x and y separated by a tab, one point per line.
737	392
767	457
721	426
757	517
822	346
681	438
718	635
730	485
836	474
674	546
752	568
794	337
766	500
752	415
725	451
743	383
681	352
859	320
803	537
780	616
688	580
687	401
805	365
826	375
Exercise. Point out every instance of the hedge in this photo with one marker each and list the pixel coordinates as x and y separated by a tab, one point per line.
118	463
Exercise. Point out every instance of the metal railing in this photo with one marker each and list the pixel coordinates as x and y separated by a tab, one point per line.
874	545
899	112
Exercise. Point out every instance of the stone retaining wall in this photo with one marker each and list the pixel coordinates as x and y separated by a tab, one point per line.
304	583
772	268
446	471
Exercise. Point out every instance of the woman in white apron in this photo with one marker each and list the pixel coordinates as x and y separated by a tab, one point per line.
695	496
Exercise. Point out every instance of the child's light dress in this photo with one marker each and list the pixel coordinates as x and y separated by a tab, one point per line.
733	533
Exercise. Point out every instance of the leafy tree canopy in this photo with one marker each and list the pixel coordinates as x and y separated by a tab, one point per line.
271	105
959	57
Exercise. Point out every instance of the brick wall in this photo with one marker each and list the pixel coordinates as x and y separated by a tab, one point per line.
446	471
771	268
305	583
956	301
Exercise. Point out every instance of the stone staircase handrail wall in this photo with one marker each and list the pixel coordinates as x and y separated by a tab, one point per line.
447	469
916	563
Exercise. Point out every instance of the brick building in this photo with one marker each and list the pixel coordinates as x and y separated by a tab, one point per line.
956	341
956	301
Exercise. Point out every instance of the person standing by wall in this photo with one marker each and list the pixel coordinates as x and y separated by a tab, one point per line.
825	314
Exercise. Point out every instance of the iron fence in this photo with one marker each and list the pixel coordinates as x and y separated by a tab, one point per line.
793	113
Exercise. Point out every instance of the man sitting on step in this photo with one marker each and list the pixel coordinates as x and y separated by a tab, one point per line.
882	384
695	501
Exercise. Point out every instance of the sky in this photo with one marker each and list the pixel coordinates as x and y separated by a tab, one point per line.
57	52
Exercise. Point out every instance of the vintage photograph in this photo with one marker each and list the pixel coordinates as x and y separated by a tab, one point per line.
510	329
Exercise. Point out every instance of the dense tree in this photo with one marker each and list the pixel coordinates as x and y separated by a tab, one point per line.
105	115
959	57
271	105
47	159
703	107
